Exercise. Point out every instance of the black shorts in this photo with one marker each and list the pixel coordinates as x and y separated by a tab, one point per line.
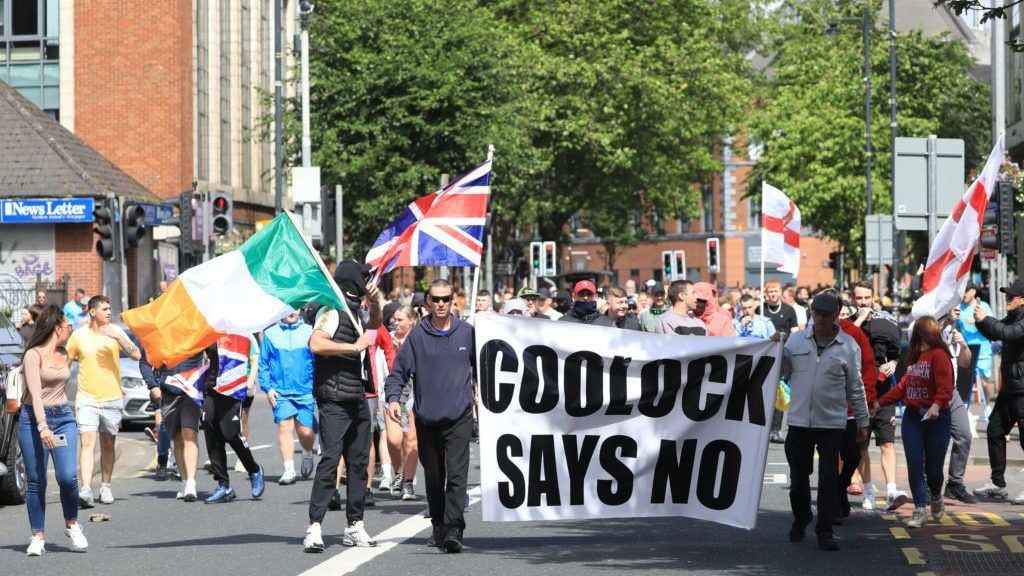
247	403
883	425
181	412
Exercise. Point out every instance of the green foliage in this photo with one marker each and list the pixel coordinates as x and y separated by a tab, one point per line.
597	108
811	121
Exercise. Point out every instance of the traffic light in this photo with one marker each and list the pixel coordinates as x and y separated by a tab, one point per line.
834	260
680	263
536	259
999	215
104	228
328	215
712	245
550	259
667	271
184	219
222	207
133	218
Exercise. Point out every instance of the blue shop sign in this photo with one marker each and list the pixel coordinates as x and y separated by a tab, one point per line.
156	214
46	210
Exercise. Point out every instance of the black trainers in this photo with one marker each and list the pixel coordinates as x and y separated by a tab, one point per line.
161	473
776	437
436	536
957	491
453	540
828	544
369	501
335	503
796	532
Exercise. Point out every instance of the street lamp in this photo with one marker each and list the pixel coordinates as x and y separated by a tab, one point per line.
834	31
305	9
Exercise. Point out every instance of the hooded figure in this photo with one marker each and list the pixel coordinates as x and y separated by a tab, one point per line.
718	321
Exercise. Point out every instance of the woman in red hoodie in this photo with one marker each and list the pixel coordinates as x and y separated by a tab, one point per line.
926	390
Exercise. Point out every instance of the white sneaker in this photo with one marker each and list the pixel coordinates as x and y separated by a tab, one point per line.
355	535
85	499
1018	500
106	495
180	495
190	495
77	536
314	540
287	478
990	490
894	500
869	500
306	468
36	547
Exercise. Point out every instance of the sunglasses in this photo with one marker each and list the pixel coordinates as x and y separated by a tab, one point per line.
439	299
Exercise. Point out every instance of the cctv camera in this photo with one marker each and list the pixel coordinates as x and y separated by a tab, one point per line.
305	7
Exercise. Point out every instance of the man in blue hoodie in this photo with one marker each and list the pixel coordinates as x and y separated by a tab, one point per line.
286	377
439	354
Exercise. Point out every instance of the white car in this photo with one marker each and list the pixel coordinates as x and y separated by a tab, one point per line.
137	407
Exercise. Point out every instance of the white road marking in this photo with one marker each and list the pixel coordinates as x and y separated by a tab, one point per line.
349	560
774	478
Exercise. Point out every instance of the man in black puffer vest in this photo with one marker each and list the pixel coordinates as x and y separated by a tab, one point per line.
340	380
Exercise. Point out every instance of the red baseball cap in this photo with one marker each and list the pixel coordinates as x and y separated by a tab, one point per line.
584	285
704	291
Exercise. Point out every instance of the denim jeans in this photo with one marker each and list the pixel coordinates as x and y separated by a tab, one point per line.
925	443
65	462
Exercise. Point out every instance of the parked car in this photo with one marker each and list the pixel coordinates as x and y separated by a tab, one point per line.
13	478
137	408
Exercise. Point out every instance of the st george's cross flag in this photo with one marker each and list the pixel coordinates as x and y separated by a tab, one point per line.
444	228
780	230
952	250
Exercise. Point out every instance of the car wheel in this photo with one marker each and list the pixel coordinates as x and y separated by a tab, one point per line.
14	485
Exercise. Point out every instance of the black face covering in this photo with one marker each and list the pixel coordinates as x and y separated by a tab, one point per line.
585	308
351	277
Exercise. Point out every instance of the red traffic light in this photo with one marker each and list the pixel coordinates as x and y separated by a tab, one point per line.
220	203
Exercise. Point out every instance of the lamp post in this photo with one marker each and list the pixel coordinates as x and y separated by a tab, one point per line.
305	9
834	31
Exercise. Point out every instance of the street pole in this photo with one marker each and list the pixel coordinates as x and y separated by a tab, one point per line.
892	140
278	118
339	203
305	9
998	274
443	271
867	108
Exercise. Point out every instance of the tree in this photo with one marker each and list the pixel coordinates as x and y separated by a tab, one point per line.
631	98
988	12
811	120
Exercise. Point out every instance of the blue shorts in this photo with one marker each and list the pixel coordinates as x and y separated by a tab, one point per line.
304	411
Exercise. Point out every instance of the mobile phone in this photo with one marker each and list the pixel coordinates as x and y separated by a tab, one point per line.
60	440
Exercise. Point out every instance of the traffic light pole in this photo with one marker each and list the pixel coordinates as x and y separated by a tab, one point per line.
122	259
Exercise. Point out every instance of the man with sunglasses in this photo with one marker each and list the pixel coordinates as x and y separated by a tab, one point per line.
439	353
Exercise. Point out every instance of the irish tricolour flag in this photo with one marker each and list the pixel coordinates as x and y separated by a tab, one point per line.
274	273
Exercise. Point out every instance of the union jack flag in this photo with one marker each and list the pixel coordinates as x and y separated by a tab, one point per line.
190	382
233	357
444	228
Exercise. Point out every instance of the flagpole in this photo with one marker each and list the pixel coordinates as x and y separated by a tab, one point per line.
323	268
761	291
476	272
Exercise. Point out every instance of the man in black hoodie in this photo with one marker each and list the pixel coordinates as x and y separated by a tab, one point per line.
340	381
440	354
584	306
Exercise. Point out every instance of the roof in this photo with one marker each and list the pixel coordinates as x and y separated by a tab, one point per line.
41	158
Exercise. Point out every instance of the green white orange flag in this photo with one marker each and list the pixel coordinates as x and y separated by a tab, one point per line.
274	273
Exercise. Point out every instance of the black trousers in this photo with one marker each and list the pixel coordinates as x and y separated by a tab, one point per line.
777	416
444	456
344	430
849	451
1008	409
222	425
800	446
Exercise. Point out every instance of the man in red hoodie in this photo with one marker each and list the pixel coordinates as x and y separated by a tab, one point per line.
850	450
718	321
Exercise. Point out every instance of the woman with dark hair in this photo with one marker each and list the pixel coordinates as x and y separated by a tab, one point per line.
47	428
27	324
926	390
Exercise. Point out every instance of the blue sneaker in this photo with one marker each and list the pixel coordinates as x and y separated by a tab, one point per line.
222	494
258	486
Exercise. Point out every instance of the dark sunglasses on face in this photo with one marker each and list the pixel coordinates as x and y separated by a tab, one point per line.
438	299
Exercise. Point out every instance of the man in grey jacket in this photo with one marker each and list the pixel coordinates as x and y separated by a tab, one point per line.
822	366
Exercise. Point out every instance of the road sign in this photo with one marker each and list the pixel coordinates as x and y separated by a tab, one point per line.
878	244
914	169
988	253
156	214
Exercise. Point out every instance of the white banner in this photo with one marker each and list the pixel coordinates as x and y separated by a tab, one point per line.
582	421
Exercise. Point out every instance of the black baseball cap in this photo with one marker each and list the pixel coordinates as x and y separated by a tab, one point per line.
825	302
1015	289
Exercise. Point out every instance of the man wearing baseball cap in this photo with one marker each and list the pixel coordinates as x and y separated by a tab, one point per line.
529	297
649	317
584	306
1009	406
545	305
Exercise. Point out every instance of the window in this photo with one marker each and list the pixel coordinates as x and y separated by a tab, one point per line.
29	50
753	214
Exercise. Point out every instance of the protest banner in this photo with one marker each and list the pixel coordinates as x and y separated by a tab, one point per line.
580	421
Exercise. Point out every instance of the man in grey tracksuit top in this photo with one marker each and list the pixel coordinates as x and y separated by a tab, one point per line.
822	366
